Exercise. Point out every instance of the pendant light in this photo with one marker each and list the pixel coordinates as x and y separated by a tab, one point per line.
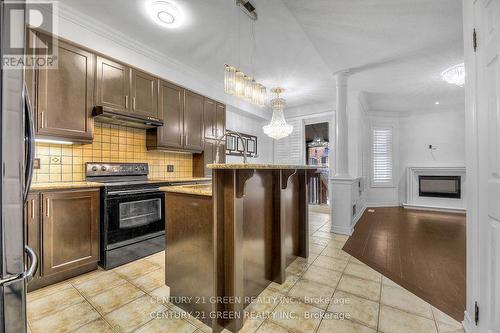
278	128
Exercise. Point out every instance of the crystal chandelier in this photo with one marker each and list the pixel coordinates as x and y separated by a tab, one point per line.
278	128
238	84
454	75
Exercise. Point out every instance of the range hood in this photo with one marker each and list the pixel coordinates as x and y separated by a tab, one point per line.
108	115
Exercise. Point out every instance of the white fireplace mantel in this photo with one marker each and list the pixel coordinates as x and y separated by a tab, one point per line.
414	201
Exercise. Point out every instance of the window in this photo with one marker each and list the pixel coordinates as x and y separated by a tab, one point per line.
382	157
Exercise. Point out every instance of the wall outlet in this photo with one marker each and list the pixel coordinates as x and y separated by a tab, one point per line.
36	163
170	168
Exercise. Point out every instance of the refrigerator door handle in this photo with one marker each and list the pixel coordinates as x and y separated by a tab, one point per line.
33	258
29	273
30	143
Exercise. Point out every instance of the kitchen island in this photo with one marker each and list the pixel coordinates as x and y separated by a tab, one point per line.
225	246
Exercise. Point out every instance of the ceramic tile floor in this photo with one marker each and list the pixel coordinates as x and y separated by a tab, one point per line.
328	292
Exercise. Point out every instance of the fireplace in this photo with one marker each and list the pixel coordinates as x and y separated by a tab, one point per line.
439	186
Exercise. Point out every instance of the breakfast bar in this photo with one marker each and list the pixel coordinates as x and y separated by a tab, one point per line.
258	226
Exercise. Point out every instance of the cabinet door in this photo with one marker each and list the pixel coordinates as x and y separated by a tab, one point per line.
113	85
193	121
220	127
171	106
32	222
70	229
65	95
144	93
210	118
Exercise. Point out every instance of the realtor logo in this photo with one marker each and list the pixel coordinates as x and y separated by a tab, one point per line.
30	30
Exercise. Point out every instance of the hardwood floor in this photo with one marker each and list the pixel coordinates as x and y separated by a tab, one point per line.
424	252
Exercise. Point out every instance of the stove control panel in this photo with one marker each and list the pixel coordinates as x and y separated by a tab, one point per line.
116	169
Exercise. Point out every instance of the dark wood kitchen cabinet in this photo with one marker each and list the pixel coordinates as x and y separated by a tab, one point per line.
220	127
171	110
210	118
65	233
182	113
144	92
214	116
65	95
193	121
125	89
113	85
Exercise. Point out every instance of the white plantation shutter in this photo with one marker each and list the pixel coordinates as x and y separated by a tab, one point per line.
289	150
382	156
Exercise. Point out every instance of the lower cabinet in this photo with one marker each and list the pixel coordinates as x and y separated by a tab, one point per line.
63	229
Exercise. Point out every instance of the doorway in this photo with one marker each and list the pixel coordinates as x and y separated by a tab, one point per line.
317	148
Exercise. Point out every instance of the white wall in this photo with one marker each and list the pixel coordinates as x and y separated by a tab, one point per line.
240	121
413	133
444	130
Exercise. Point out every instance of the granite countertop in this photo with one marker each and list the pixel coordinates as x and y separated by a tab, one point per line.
260	166
179	180
63	185
198	189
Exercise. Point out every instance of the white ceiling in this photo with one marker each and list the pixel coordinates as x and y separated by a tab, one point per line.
396	47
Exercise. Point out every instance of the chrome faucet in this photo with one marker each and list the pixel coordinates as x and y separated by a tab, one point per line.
219	140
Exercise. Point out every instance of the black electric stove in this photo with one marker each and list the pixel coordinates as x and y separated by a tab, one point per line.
132	212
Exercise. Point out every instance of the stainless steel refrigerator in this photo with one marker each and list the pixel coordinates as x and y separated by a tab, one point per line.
17	261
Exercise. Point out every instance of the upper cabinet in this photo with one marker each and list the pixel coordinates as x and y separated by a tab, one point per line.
214	115
125	89
193	121
144	92
64	96
210	118
182	113
220	127
171	109
113	85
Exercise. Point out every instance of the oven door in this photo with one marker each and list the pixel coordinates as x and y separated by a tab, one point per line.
134	217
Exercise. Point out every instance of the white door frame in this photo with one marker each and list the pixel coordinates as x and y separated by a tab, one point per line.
483	164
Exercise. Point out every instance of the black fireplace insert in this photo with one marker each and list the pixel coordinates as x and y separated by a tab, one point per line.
439	186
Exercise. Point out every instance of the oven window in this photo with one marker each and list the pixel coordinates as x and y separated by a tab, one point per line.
139	213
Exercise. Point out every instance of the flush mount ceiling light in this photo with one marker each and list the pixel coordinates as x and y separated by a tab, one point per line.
454	75
278	128
166	14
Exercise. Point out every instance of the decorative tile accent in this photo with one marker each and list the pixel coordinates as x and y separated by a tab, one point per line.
66	163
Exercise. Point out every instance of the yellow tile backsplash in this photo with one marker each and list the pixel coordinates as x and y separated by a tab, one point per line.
112	143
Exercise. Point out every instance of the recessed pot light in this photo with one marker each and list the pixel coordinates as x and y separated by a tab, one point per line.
437	103
166	13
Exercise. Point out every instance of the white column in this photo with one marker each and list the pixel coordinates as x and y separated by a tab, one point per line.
341	130
342	183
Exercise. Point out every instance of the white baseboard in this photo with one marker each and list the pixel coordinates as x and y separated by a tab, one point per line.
435	208
384	204
342	230
468	324
358	216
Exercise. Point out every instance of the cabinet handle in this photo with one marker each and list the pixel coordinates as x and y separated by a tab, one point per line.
41	120
133	103
47	210
126	101
33	209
